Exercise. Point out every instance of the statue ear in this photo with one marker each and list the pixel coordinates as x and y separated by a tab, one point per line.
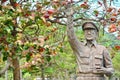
96	34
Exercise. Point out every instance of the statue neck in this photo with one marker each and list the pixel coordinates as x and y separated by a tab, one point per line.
91	42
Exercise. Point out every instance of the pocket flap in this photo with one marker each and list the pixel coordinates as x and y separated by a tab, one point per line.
98	56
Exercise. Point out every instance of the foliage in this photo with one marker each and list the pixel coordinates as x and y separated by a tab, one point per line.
116	60
34	33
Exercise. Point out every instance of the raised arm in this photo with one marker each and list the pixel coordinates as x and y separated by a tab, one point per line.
73	40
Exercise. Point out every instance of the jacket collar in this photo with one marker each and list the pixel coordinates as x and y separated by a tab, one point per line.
94	43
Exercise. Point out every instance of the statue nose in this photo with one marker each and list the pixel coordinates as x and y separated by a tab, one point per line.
89	32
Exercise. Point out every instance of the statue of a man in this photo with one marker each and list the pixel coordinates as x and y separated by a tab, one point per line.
93	59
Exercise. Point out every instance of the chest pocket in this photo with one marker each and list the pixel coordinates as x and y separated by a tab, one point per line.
84	59
99	60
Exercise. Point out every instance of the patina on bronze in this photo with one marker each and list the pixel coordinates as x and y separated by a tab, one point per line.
93	59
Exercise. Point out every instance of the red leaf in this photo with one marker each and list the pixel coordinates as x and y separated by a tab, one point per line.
16	4
27	14
113	19
112	28
114	14
109	9
117	47
46	38
41	49
3	1
46	15
85	2
51	11
84	5
64	3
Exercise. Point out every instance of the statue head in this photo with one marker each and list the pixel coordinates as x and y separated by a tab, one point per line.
90	30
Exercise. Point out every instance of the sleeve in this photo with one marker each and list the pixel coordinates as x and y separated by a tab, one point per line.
107	63
75	44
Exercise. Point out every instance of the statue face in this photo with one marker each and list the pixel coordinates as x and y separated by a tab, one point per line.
90	33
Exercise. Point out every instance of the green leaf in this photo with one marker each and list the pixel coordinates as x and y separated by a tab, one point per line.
47	51
10	12
1	47
96	12
5	54
19	49
0	7
48	58
49	70
25	47
61	49
28	57
4	58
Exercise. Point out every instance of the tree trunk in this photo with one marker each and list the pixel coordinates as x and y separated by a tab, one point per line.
6	72
15	60
16	65
42	72
16	70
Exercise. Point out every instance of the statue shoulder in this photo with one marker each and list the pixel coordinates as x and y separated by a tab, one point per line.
102	47
83	42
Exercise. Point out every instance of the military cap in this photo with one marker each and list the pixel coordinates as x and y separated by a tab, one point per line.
89	27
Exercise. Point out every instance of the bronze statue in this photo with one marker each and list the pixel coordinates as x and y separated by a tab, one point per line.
93	59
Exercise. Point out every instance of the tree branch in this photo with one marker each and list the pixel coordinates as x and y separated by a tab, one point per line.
105	4
55	21
5	68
